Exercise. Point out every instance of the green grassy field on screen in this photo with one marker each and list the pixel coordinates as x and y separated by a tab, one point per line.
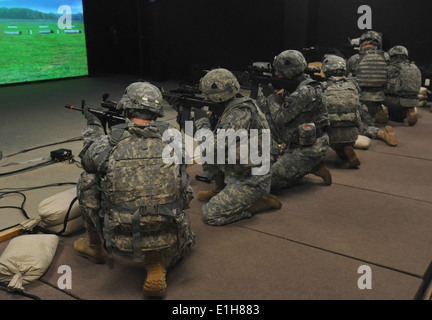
33	56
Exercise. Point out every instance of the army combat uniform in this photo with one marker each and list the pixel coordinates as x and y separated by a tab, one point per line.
239	193
299	120
403	86
370	67
129	195
343	104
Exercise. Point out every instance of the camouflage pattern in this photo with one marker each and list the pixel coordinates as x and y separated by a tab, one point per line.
370	68
241	187
285	112
89	199
371	35
343	104
134	179
290	63
333	63
403	86
219	85
143	96
367	127
398	50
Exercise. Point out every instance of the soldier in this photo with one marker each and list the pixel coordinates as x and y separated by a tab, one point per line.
128	196
237	192
343	104
299	120
403	87
370	68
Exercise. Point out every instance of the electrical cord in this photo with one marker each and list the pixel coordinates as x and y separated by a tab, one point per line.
43	146
22	293
39	165
23	211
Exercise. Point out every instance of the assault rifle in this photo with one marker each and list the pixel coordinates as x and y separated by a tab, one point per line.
187	97
263	73
109	117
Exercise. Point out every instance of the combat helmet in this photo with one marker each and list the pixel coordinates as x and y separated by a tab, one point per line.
219	85
289	63
143	96
398	50
333	63
371	36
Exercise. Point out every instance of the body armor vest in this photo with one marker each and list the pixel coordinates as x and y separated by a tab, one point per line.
342	103
140	193
372	69
405	80
310	115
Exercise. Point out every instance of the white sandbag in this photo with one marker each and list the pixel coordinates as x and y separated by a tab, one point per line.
362	142
72	226
26	259
53	210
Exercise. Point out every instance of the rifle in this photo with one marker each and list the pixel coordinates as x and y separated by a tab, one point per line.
108	118
186	98
263	73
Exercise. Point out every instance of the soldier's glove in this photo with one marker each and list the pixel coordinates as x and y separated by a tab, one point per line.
267	90
199	113
91	118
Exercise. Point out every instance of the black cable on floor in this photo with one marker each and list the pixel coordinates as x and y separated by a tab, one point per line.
43	146
39	165
22	293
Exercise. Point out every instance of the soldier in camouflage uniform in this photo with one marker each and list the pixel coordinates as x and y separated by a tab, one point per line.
299	120
403	87
129	198
237	192
343	104
370	67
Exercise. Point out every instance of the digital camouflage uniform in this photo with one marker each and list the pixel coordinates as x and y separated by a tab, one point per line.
241	187
287	114
370	67
343	104
403	86
130	196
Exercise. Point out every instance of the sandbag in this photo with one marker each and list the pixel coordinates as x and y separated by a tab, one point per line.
26	259
53	210
362	142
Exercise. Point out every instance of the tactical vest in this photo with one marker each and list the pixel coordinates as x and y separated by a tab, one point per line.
407	80
372	69
258	121
140	193
311	114
343	103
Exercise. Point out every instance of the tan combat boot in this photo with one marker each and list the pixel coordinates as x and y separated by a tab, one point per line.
387	134
91	248
265	202
207	195
155	283
353	159
322	171
411	116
